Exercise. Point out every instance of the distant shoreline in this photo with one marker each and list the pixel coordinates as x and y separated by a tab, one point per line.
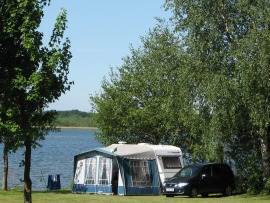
73	127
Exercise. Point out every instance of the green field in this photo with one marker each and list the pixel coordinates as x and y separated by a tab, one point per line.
65	196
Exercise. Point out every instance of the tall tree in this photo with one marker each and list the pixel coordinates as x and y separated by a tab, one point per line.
33	76
229	44
134	104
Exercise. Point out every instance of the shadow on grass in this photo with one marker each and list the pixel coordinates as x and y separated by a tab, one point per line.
64	191
211	196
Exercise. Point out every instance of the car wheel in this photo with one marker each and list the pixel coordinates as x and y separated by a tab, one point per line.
204	195
193	192
169	195
227	191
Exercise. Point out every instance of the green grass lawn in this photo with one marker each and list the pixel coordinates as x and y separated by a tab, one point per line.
65	196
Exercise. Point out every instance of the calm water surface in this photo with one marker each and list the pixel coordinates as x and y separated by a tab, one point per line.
54	157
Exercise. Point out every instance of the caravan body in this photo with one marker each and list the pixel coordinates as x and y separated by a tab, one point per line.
125	169
169	160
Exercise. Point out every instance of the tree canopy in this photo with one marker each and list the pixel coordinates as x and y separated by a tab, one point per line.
229	42
134	102
202	83
32	76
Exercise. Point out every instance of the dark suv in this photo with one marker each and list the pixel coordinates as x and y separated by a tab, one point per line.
200	179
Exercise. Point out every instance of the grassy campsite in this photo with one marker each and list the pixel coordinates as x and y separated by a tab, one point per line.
197	80
65	196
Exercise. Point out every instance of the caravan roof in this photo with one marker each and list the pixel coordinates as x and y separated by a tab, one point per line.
143	150
166	150
131	151
138	151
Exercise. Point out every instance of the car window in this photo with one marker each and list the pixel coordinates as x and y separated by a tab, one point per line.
189	171
221	170
227	170
217	170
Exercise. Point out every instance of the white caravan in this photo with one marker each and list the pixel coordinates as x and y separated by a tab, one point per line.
169	160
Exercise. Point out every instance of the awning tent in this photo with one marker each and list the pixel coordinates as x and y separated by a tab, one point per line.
134	165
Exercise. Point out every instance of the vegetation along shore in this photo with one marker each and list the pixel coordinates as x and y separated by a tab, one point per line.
75	127
75	119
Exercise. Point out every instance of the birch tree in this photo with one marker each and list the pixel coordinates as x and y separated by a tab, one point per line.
229	42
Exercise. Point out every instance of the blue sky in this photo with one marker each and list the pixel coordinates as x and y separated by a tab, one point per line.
101	32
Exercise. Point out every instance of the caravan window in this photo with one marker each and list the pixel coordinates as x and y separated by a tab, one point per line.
171	162
91	165
140	173
104	173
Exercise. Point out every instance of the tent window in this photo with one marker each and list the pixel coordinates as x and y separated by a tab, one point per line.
140	173
91	165
171	162
104	174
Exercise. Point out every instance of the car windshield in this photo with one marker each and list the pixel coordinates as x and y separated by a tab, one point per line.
188	171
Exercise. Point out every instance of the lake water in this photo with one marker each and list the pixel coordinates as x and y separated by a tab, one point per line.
56	156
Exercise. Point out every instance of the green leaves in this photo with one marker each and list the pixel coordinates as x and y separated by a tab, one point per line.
59	28
134	100
203	86
227	42
31	76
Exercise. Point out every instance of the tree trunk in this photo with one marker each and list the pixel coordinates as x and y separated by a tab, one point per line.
27	179
265	150
5	170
